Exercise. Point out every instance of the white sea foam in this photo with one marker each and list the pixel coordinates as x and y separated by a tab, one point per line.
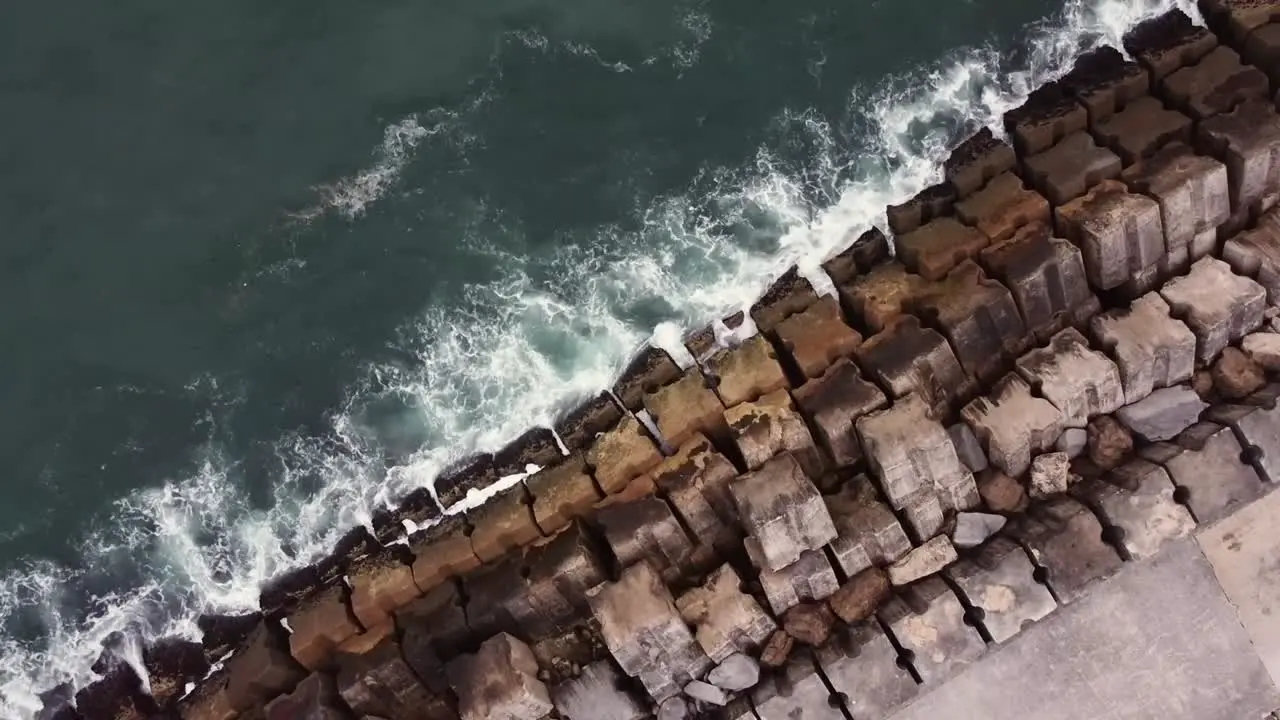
517	350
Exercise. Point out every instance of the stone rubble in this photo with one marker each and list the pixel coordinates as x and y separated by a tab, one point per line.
972	529
922	562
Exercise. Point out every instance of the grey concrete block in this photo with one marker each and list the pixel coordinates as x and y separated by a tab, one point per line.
1079	381
909	451
1065	539
1119	233
1013	424
1137	499
968	449
868	532
595	694
1151	348
1204	462
809	578
725	619
862	665
928	620
1163	414
782	512
1219	306
798	693
999	580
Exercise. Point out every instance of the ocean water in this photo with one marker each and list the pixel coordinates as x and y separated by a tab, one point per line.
268	266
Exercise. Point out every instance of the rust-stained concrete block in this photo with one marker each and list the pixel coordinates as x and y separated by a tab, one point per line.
475	472
881	295
928	620
1137	500
938	246
649	370
1082	383
1205	463
695	480
1013	424
1219	306
817	337
1003	206
1067	170
788	295
999	580
906	358
929	204
862	665
1214	85
503	523
726	620
797	693
977	160
1048	115
746	372
1247	139
315	698
499	682
868	532
561	493
1168	42
809	578
864	252
374	680
380	583
625	452
978	317
833	403
1065	539
579	427
1236	19
597	694
536	446
646	529
442	551
1143	128
909	451
1151	348
771	425
1046	277
1193	194
1119	233
319	625
645	634
1105	83
1255	254
685	407
782	512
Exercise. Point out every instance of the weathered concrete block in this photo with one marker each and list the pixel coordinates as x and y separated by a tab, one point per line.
882	294
1255	253
999	580
1162	414
1205	463
442	551
1003	206
833	403
685	407
929	204
579	427
978	317
1256	424
1082	383
1105	83
1119	233
1143	128
1214	85
646	529
644	632
1048	115
1262	49
1168	42
320	624
536	446
788	295
923	513
977	160
432	628
1137	499
726	620
797	693
503	523
1236	19
860	255
1012	423
261	669
928	620
499	682
1067	170
782	512
770	425
909	451
695	480
554	577
809	578
561	493
597	694
649	370
458	480
1046	277
1219	306
868	532
921	562
418	508
1263	348
380	583
816	337
1192	191
1247	140
625	452
315	698
906	358
1065	539
1151	348
968	449
373	678
746	372
937	247
862	665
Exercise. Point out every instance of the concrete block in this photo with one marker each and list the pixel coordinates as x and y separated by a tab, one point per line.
597	694
259	670
685	407
797	693
928	621
906	358
999	580
1046	277
978	159
816	337
726	620
1143	128
1119	233
909	451
1219	306
746	372
1105	83
788	295
388	523
623	453
1167	42
1256	424
868	532
554	576
458	480
432	628
380	583
315	698
647	530
862	665
1192	191
923	513
499	682
1067	170
1247	140
1214	85
504	523
968	449
1162	414
1065	539
833	403
882	294
1262	49
978	317
1236	19
695	480
1082	383
373	678
319	624
579	427
1205	465
782	512
536	446
1012	424
562	493
809	578
929	204
771	425
1003	206
1049	114
860	255
442	551
921	562
649	370
645	634
1255	253
938	246
1137	499
1151	348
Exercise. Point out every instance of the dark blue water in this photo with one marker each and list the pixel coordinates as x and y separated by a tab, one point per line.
264	266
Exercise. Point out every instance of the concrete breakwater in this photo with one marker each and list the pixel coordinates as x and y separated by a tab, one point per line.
774	531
